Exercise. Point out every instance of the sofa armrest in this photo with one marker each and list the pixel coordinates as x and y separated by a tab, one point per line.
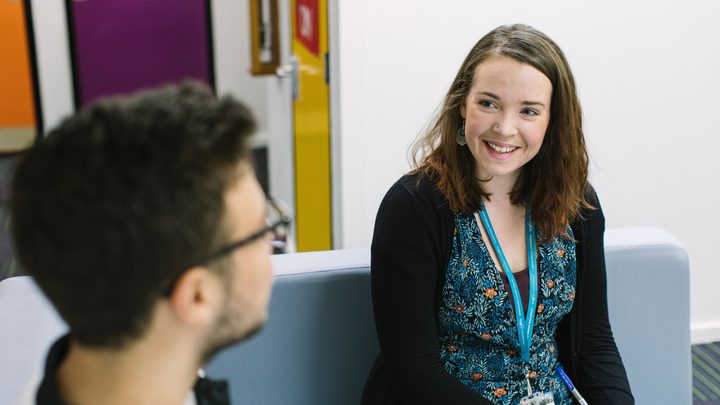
649	304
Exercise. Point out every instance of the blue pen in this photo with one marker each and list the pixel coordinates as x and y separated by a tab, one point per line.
570	386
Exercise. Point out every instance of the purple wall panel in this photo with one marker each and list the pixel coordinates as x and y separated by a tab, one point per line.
124	45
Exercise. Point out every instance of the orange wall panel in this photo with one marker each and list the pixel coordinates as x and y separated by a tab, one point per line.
16	96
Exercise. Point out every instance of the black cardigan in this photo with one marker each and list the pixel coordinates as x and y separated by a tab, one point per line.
411	246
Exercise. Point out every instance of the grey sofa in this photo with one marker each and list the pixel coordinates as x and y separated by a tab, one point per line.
319	343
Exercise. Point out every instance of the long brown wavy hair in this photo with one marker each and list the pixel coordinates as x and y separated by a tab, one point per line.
553	182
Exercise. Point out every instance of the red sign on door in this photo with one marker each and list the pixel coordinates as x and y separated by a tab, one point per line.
307	24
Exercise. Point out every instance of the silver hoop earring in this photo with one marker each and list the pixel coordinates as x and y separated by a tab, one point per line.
460	136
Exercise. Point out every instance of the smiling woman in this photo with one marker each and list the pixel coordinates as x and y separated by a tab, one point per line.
487	261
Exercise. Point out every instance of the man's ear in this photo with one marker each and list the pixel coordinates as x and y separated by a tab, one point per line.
196	296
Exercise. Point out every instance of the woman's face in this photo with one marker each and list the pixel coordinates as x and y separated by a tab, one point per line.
506	113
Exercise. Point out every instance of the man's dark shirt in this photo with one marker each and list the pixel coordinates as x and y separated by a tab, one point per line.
207	392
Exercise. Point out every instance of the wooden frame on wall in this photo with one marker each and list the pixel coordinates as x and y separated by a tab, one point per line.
264	37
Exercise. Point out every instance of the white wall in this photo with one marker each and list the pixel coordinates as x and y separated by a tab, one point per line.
647	77
231	30
53	60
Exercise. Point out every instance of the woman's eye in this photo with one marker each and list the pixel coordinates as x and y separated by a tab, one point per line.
487	103
531	112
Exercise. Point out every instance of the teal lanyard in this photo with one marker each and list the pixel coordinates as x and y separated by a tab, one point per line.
525	323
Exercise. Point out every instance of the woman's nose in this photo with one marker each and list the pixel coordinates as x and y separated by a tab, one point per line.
505	126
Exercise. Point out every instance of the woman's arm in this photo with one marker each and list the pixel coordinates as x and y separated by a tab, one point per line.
601	375
406	253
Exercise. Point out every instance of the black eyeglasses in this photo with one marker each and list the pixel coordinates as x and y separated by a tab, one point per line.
278	222
278	219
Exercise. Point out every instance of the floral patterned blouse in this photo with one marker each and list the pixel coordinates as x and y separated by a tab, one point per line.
478	334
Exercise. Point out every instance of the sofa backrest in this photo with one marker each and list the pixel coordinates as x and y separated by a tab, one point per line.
319	342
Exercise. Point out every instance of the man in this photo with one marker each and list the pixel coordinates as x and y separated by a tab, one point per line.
143	223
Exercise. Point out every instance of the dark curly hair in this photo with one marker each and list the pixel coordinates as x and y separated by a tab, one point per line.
123	196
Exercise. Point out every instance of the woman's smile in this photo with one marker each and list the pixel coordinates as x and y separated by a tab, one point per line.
500	150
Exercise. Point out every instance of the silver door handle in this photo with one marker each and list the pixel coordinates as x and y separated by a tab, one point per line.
291	71
284	71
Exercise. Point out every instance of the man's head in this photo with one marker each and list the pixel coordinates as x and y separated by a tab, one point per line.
116	211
